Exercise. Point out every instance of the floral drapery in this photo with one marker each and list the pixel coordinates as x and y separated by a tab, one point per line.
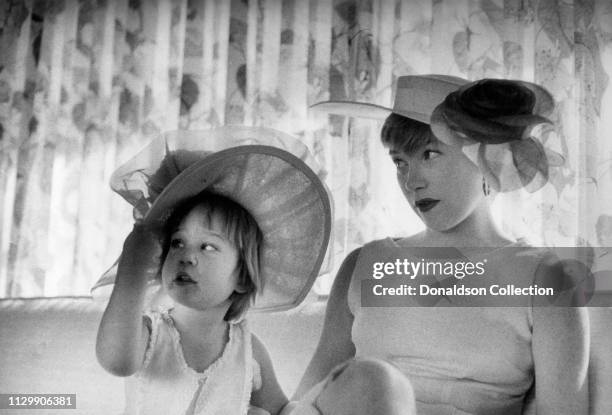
84	84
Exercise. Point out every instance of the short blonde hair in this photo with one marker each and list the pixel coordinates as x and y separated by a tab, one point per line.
405	134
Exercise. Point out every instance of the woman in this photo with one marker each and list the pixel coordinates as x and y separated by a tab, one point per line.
469	360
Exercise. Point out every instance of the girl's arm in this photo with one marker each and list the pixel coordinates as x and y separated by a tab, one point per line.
561	356
123	335
270	396
335	345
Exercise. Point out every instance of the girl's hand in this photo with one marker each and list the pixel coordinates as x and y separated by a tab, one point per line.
141	251
123	335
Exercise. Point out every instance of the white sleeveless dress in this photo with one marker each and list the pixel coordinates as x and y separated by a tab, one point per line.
167	385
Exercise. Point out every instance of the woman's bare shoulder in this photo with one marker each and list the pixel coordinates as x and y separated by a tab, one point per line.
412	241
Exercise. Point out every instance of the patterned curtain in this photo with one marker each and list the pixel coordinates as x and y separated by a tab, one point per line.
84	84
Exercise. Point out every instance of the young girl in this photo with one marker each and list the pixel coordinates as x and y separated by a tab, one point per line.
216	239
447	360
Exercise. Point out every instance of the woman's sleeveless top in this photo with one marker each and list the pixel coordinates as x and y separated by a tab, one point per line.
460	360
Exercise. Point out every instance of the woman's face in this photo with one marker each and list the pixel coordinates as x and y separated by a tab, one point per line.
441	184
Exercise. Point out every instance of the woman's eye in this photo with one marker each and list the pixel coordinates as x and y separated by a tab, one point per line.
399	163
430	154
176	243
208	247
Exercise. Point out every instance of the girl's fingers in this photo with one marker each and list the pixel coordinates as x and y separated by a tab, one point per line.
143	231
141	227
142	248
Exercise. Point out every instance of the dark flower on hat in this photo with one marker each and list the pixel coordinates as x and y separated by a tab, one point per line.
496	98
500	114
495	111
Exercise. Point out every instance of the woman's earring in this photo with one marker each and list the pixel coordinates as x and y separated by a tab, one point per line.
485	187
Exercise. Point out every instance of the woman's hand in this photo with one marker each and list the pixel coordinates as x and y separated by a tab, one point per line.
335	345
561	356
269	397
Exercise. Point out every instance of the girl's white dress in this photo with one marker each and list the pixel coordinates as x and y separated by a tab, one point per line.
167	385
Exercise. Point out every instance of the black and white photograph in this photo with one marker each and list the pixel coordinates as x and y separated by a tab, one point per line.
306	207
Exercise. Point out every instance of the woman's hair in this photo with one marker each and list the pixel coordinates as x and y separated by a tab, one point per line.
405	134
603	227
240	229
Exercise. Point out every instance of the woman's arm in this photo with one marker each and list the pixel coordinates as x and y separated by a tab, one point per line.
335	345
270	396
561	357
123	335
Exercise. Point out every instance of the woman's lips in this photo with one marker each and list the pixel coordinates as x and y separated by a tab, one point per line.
425	205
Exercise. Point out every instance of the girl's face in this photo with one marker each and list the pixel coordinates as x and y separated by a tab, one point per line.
441	184
201	268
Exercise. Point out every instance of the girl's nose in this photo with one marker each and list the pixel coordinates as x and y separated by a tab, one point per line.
188	258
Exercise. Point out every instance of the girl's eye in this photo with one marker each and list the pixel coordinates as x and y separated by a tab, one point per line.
208	247
176	243
430	154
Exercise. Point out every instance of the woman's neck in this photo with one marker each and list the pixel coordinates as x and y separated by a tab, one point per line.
477	230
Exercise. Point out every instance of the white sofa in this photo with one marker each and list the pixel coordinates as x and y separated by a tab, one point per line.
47	346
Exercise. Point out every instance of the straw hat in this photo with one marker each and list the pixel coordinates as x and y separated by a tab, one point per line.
471	115
416	96
269	173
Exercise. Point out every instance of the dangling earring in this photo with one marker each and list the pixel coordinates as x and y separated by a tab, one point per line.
485	187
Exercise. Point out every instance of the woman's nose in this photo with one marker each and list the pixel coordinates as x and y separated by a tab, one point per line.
412	179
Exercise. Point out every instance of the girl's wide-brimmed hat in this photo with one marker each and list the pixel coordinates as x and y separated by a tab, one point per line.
416	97
269	173
494	122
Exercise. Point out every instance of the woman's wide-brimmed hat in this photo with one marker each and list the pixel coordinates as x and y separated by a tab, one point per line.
269	173
416	97
494	122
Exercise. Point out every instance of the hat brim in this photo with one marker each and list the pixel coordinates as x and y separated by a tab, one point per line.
352	109
416	97
365	110
270	174
298	216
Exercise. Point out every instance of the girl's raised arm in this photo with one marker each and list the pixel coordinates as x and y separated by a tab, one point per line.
561	357
122	335
335	345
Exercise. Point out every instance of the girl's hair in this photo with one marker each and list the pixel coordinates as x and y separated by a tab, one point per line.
240	229
405	134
